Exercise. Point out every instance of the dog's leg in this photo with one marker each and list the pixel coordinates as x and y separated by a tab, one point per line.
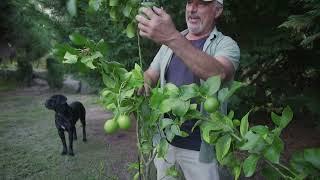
71	142
75	134
63	140
83	122
84	133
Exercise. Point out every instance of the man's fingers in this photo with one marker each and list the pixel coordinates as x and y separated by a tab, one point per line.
140	91
158	11
142	27
148	12
144	90
143	33
142	19
147	89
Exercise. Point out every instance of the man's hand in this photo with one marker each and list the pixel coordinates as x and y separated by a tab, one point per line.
144	90
156	25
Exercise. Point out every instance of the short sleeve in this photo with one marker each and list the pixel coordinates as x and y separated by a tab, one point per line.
228	48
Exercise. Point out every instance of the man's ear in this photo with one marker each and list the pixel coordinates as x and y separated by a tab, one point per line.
219	12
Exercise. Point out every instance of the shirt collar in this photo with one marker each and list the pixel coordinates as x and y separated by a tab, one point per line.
213	34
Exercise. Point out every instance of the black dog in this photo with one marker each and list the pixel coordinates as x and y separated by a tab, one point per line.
65	119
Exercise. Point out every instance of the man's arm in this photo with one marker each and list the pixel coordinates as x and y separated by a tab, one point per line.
160	28
200	63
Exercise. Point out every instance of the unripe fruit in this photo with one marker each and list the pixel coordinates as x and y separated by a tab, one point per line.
211	104
124	122
111	126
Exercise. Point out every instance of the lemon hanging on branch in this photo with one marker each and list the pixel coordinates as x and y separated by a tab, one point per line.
111	126
211	104
124	122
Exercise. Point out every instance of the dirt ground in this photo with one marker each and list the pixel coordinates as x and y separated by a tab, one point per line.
300	134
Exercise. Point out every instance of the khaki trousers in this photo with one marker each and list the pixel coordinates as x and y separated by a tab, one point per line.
188	161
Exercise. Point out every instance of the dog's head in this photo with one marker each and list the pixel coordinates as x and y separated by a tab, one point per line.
55	101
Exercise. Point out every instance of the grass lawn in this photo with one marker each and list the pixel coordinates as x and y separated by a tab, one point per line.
30	146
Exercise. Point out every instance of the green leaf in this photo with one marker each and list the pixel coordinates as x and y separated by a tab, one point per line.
146	147
127	10
113	13
301	165
131	30
227	121
127	93
273	152
244	126
231	115
172	172
212	85
262	130
275	119
236	172
171	90
252	138
113	2
60	50
165	122
223	146
286	117
313	157
136	80
77	39
229	160
166	105
102	47
189	91
162	148
175	130
226	93
88	60
157	97
95	4
180	107
108	82
169	134
250	164
70	58
72	7
270	173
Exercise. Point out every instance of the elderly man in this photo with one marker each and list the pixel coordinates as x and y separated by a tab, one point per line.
188	57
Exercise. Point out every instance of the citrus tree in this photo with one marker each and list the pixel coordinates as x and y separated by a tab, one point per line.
238	145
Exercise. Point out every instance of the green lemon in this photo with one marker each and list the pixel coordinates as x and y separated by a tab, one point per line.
211	104
111	126
124	122
236	122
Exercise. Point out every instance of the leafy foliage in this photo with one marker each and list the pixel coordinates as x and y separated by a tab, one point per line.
55	73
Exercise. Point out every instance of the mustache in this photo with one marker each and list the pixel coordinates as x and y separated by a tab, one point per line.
192	16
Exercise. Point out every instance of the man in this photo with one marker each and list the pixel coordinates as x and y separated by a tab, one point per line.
196	54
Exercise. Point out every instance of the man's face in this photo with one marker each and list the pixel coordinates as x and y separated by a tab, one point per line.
200	16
